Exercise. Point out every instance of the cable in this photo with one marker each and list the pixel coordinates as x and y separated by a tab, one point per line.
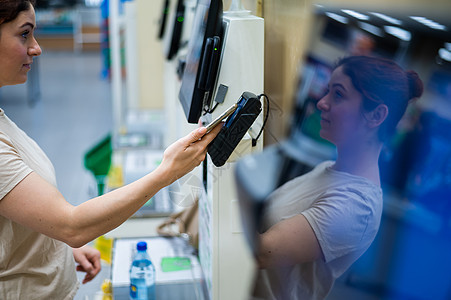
209	111
254	140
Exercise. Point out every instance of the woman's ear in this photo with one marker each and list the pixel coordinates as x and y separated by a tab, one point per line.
377	115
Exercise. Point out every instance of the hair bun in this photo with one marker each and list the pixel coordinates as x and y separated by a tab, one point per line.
415	84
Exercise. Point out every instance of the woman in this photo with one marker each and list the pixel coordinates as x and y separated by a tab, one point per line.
36	222
318	224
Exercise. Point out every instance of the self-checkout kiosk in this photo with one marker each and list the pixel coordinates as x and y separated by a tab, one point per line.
225	257
224	59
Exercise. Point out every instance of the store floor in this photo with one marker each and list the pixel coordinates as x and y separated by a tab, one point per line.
72	115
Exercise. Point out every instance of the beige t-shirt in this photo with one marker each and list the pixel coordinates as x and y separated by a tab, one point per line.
32	265
344	212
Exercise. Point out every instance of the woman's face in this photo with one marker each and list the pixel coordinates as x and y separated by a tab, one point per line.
342	120
17	48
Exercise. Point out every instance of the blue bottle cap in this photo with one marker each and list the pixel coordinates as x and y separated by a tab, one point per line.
141	246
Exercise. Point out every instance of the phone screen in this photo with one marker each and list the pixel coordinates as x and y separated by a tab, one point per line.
221	117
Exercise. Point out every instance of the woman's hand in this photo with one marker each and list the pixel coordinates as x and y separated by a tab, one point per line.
187	153
88	260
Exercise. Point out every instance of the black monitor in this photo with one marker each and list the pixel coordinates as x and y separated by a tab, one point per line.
163	19
173	44
202	60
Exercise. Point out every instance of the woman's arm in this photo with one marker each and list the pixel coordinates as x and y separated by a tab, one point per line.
291	241
38	205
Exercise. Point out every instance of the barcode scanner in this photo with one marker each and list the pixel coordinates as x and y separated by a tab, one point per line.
247	110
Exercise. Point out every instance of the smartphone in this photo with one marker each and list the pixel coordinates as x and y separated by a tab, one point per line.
221	117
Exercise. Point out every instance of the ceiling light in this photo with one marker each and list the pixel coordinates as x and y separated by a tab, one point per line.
418	19
444	54
355	14
438	27
371	29
398	32
387	18
93	3
430	23
448	46
336	17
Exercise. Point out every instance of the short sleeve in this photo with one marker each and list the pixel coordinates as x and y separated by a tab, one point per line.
12	168
340	219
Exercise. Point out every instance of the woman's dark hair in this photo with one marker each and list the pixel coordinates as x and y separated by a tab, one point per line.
382	81
10	9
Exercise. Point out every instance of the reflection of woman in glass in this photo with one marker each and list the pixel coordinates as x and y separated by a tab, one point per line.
318	224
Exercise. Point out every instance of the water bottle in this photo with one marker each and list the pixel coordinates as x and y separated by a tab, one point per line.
142	275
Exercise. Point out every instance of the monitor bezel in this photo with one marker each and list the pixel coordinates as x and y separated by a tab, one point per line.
194	97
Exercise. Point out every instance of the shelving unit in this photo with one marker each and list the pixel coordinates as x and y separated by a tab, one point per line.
73	28
86	25
56	28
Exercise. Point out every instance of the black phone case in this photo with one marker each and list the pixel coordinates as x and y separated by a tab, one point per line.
227	139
